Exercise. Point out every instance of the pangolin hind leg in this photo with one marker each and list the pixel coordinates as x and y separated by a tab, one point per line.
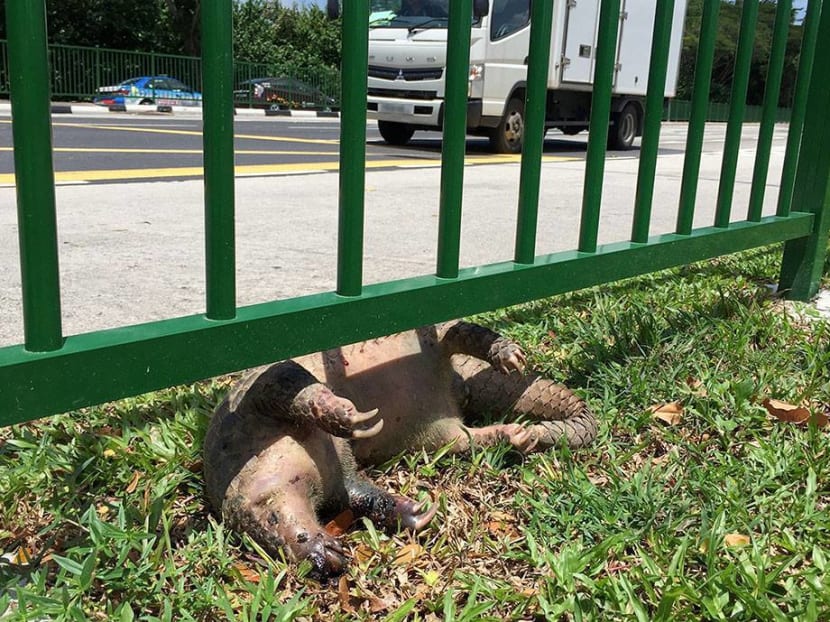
555	412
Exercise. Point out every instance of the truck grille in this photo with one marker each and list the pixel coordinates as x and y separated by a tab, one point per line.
403	93
409	75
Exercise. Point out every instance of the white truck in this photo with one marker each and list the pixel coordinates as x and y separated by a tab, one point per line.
407	54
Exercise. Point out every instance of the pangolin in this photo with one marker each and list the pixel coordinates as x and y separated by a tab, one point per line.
284	448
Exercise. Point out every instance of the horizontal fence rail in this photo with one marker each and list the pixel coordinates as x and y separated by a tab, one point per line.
51	373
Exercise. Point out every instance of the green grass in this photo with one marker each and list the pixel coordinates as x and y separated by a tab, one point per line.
108	502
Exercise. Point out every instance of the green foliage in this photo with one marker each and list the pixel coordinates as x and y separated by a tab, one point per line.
726	46
170	26
267	32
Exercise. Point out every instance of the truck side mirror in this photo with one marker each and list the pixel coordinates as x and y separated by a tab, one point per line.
333	9
481	8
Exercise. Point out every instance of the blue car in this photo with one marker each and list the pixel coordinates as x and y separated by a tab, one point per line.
158	90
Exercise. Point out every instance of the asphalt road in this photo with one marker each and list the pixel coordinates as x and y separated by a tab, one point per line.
131	249
130	147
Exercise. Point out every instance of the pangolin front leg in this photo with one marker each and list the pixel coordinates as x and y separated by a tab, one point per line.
288	391
386	510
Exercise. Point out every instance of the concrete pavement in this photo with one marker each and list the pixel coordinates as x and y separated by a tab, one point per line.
133	252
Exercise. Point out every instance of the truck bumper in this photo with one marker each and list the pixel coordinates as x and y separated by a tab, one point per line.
428	113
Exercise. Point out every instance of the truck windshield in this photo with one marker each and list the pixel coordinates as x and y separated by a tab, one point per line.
412	14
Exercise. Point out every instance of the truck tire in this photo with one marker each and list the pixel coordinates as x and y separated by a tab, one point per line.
508	135
395	133
622	133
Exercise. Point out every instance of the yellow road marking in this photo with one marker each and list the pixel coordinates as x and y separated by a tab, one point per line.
128	150
152	130
264	169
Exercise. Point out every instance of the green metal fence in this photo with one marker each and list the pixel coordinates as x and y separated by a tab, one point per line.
51	373
76	73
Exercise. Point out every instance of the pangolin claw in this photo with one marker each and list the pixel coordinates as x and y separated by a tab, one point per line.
368	432
361	417
412	514
524	440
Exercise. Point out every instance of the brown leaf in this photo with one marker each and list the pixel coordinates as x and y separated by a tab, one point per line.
670	413
249	574
363	553
736	539
696	386
407	554
340	524
501	524
343	594
377	605
133	483
788	413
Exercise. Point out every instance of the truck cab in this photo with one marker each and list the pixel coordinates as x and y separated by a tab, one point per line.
407	57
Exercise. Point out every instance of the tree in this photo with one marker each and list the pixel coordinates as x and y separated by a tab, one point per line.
170	26
267	32
729	20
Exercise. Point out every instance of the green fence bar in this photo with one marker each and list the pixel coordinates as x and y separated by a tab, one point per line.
609	24
355	28
698	116
541	20
217	79
35	179
655	93
454	143
772	89
803	262
737	104
111	364
802	87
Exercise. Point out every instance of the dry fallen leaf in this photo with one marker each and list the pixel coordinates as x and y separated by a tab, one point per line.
789	413
671	413
133	483
377	605
502	527
408	554
696	386
340	524
736	539
250	575
363	553
343	594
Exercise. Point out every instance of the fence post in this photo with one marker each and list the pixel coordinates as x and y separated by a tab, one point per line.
217	111
355	28
803	261
32	131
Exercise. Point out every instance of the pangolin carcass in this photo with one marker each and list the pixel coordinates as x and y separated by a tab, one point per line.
283	449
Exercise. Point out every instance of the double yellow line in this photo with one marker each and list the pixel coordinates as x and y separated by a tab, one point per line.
240	170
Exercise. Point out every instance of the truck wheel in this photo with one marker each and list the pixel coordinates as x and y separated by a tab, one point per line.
508	135
621	135
395	133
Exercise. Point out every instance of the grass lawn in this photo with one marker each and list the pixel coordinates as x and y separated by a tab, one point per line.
709	508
